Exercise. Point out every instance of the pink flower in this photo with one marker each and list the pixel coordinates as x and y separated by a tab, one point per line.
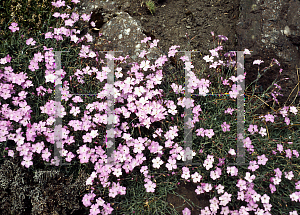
30	41
269	117
75	16
272	188
253	166
85	17
14	27
225	82
229	110
27	162
154	43
172	52
279	148
186	211
222	37
232	170
94	209
113	192
49	35
10	153
295	152
209	133
70	156
69	22
94	25
225	127
262	159
86	200
8	58
150	186
58	4
33	66
46	154
145	40
64	15
262	131
252	129
288	153
84	158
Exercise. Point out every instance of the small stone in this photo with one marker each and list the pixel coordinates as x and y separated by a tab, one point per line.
126	5
287	31
188	26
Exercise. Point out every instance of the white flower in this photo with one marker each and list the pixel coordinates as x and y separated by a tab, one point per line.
196	177
199	190
294	197
220	189
265	199
263	131
207	165
50	78
256	197
145	65
257	62
74	38
89	181
208	59
289	175
157	162
106	70
94	133
249	178
186	175
117	172
276	180
232	152
293	110
247	51
214	175
74	111
89	37
92	54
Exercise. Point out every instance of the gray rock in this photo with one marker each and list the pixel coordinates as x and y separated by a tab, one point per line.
271	30
124	33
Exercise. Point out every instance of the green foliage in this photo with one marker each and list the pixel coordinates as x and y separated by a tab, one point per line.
150	6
